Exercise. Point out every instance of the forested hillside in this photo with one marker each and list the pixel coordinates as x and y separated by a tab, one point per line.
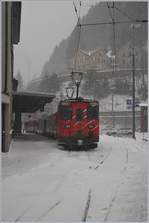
98	36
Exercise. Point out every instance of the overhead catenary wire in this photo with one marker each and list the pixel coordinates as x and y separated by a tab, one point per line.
80	4
77	48
76	11
123	13
97	23
109	10
116	22
130	19
93	5
79	34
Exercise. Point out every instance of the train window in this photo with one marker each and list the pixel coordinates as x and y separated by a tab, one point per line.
79	114
66	113
93	112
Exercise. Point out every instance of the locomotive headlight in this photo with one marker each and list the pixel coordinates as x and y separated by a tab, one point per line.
91	126
67	126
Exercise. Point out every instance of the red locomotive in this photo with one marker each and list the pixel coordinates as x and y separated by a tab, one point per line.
78	123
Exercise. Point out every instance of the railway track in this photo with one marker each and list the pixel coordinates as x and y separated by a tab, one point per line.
98	157
86	210
49	209
103	157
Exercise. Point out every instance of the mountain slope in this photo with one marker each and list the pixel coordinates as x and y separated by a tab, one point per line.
100	36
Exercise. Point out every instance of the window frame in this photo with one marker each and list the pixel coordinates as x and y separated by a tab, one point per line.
97	112
63	115
82	115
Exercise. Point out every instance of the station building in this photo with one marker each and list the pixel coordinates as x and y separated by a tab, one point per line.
14	103
10	22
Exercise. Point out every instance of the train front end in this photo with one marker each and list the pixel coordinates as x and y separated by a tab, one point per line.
78	123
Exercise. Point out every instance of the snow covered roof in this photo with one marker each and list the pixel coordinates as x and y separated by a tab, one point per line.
90	52
143	104
30	101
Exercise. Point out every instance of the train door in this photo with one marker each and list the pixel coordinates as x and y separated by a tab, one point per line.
93	119
64	120
67	116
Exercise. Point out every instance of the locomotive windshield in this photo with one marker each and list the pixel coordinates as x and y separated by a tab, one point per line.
79	114
93	112
65	113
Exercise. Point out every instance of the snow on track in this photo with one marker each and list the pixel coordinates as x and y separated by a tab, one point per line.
94	185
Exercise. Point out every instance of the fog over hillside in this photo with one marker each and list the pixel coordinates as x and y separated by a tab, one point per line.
99	36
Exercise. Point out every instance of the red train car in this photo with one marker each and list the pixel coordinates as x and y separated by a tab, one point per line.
47	125
78	123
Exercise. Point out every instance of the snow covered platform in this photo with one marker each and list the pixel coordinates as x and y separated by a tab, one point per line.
41	182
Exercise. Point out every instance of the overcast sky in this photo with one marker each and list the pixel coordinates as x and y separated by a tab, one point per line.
43	25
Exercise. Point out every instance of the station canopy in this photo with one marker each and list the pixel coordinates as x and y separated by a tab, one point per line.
29	102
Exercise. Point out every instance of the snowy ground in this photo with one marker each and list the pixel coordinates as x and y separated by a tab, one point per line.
43	183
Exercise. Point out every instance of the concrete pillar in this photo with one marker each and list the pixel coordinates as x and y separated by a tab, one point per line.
6	127
7	72
17	122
